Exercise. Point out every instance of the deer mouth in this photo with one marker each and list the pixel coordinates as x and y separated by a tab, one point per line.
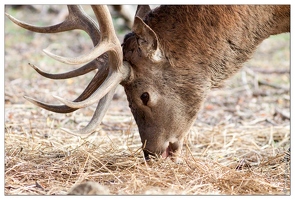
168	152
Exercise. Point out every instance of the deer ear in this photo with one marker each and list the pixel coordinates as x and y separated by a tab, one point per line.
142	11
148	40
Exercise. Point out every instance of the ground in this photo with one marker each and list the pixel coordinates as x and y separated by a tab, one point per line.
238	144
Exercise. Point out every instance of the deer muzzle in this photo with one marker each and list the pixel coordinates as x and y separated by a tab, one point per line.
169	150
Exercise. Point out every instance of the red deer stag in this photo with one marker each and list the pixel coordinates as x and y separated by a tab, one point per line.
169	62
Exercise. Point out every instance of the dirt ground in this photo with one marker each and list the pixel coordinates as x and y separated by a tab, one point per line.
238	144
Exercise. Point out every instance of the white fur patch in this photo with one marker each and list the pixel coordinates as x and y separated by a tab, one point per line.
157	55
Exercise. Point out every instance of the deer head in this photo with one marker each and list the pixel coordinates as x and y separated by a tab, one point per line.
158	93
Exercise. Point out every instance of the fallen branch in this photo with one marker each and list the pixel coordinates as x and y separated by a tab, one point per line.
263	82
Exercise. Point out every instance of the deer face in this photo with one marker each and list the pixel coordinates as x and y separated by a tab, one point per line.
160	114
158	94
156	108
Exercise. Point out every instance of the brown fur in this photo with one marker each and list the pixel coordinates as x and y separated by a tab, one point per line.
178	53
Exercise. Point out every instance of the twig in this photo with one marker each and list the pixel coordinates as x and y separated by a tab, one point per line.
271	71
38	185
268	92
271	121
281	112
262	82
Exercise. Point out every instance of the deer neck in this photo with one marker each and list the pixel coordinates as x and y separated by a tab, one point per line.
250	26
218	39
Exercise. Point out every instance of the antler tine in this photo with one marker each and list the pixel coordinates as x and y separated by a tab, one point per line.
76	14
74	73
77	19
109	41
112	81
109	35
100	111
92	86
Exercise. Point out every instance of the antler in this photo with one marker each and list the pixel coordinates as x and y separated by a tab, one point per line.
106	56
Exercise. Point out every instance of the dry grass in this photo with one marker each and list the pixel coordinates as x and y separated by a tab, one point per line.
227	161
238	145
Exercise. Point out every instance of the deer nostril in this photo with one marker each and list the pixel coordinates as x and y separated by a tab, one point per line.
167	152
146	155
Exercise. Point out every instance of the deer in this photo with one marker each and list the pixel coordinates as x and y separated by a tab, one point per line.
167	64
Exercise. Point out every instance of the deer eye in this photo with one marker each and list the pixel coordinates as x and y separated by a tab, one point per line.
145	97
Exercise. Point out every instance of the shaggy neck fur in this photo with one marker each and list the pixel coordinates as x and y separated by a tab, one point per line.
217	38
